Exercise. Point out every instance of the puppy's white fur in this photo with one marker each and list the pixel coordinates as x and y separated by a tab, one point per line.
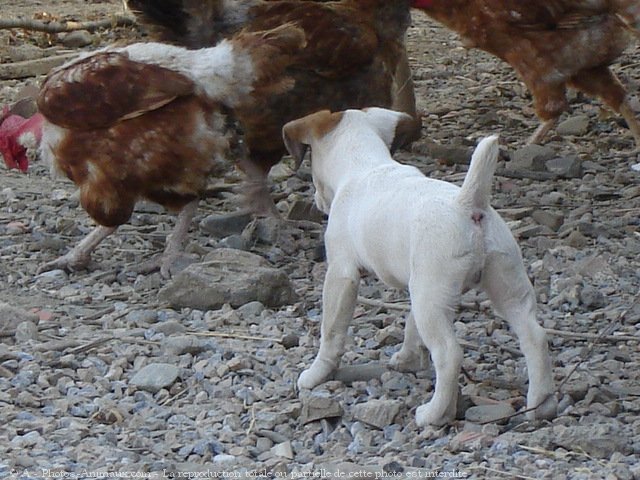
411	231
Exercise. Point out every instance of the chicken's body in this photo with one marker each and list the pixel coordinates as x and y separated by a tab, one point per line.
354	57
551	44
148	121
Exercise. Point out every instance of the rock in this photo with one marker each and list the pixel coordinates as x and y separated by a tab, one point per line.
229	276
531	157
224	225
11	317
567	167
237	242
550	219
359	373
449	154
391	335
283	450
305	210
578	125
77	39
377	413
576	239
489	413
591	297
6	354
515	213
26	331
599	441
290	341
316	407
155	377
184	344
169	327
470	440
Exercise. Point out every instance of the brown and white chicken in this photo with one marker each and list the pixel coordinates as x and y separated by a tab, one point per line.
355	57
552	45
149	121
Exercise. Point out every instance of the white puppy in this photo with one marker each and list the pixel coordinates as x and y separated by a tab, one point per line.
411	231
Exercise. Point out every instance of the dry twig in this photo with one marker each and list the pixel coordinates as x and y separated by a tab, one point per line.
59	27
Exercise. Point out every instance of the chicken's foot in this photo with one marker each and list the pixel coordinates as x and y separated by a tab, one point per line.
80	256
542	131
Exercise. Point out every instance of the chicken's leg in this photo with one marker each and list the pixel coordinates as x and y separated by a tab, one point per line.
80	256
542	131
603	83
174	245
632	121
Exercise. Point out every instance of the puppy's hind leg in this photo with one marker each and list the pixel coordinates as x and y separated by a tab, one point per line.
339	297
433	309
513	298
413	355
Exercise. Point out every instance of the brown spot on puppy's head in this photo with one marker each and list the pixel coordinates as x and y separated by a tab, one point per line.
298	134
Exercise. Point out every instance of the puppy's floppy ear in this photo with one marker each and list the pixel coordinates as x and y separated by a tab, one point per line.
298	134
407	131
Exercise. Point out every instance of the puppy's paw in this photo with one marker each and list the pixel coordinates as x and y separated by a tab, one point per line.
547	410
316	374
406	360
430	414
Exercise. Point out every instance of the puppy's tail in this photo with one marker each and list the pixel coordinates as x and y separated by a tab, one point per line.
475	192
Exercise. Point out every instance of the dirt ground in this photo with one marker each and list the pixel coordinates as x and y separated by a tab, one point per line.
585	269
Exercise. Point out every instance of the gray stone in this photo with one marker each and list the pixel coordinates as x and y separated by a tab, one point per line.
155	377
578	125
531	157
6	354
237	242
305	210
390	335
550	219
316	407
591	297
576	239
283	450
377	413
77	39
220	226
11	317
489	413
449	154
359	373
229	276
568	167
182	344
599	441
169	327
26	331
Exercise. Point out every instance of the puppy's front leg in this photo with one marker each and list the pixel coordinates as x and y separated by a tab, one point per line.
339	296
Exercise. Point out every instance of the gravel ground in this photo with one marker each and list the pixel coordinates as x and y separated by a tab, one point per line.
107	373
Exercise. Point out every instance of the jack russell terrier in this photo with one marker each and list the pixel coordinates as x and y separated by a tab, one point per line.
433	237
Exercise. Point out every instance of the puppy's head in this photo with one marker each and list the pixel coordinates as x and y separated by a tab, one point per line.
394	128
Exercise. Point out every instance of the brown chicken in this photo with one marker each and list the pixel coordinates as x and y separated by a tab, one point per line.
552	45
355	57
149	121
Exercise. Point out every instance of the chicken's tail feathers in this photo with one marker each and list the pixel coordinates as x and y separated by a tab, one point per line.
475	193
271	52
